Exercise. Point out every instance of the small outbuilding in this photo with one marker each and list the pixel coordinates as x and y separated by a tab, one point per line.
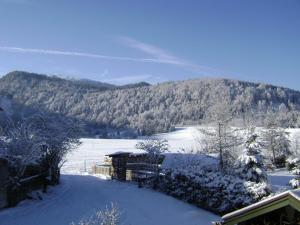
281	209
119	165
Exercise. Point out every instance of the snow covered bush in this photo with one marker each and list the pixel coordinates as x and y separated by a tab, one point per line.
292	164
110	216
295	182
202	182
213	190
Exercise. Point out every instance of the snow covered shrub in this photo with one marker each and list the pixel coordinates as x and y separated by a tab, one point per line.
295	182
292	164
110	216
200	181
213	189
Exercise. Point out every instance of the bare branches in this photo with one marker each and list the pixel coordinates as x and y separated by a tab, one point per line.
110	216
40	138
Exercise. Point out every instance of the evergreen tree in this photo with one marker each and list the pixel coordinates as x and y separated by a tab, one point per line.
251	162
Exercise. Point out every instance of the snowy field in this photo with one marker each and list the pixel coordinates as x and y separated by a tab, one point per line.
94	150
80	195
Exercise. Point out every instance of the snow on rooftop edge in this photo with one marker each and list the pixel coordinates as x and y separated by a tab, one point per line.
295	193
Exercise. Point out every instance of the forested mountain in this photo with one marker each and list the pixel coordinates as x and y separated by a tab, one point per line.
145	109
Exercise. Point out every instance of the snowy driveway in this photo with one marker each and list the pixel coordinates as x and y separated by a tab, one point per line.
79	196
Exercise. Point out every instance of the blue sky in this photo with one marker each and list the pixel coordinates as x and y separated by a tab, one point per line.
132	40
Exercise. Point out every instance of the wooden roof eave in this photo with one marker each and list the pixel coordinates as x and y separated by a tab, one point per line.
280	203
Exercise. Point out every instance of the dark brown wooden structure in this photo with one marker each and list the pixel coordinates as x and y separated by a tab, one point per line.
127	166
119	165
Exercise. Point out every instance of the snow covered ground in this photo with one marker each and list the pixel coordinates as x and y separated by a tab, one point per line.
78	196
280	180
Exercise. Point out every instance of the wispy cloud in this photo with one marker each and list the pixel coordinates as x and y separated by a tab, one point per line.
152	50
17	2
84	54
157	56
163	55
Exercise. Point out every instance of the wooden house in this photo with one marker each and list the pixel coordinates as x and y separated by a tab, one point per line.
281	209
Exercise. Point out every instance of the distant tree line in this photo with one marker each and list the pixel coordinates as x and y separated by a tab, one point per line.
143	109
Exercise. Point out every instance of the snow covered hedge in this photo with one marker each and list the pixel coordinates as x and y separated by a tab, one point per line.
213	190
217	189
293	165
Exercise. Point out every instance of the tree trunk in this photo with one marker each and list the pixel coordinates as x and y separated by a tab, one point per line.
220	147
55	175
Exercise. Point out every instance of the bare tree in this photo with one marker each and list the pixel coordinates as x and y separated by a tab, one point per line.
220	137
276	141
40	138
20	148
295	146
59	136
155	147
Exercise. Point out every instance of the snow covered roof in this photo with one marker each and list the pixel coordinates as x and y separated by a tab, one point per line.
119	153
295	194
179	160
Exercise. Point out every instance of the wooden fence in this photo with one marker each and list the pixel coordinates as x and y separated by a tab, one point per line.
105	170
10	194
